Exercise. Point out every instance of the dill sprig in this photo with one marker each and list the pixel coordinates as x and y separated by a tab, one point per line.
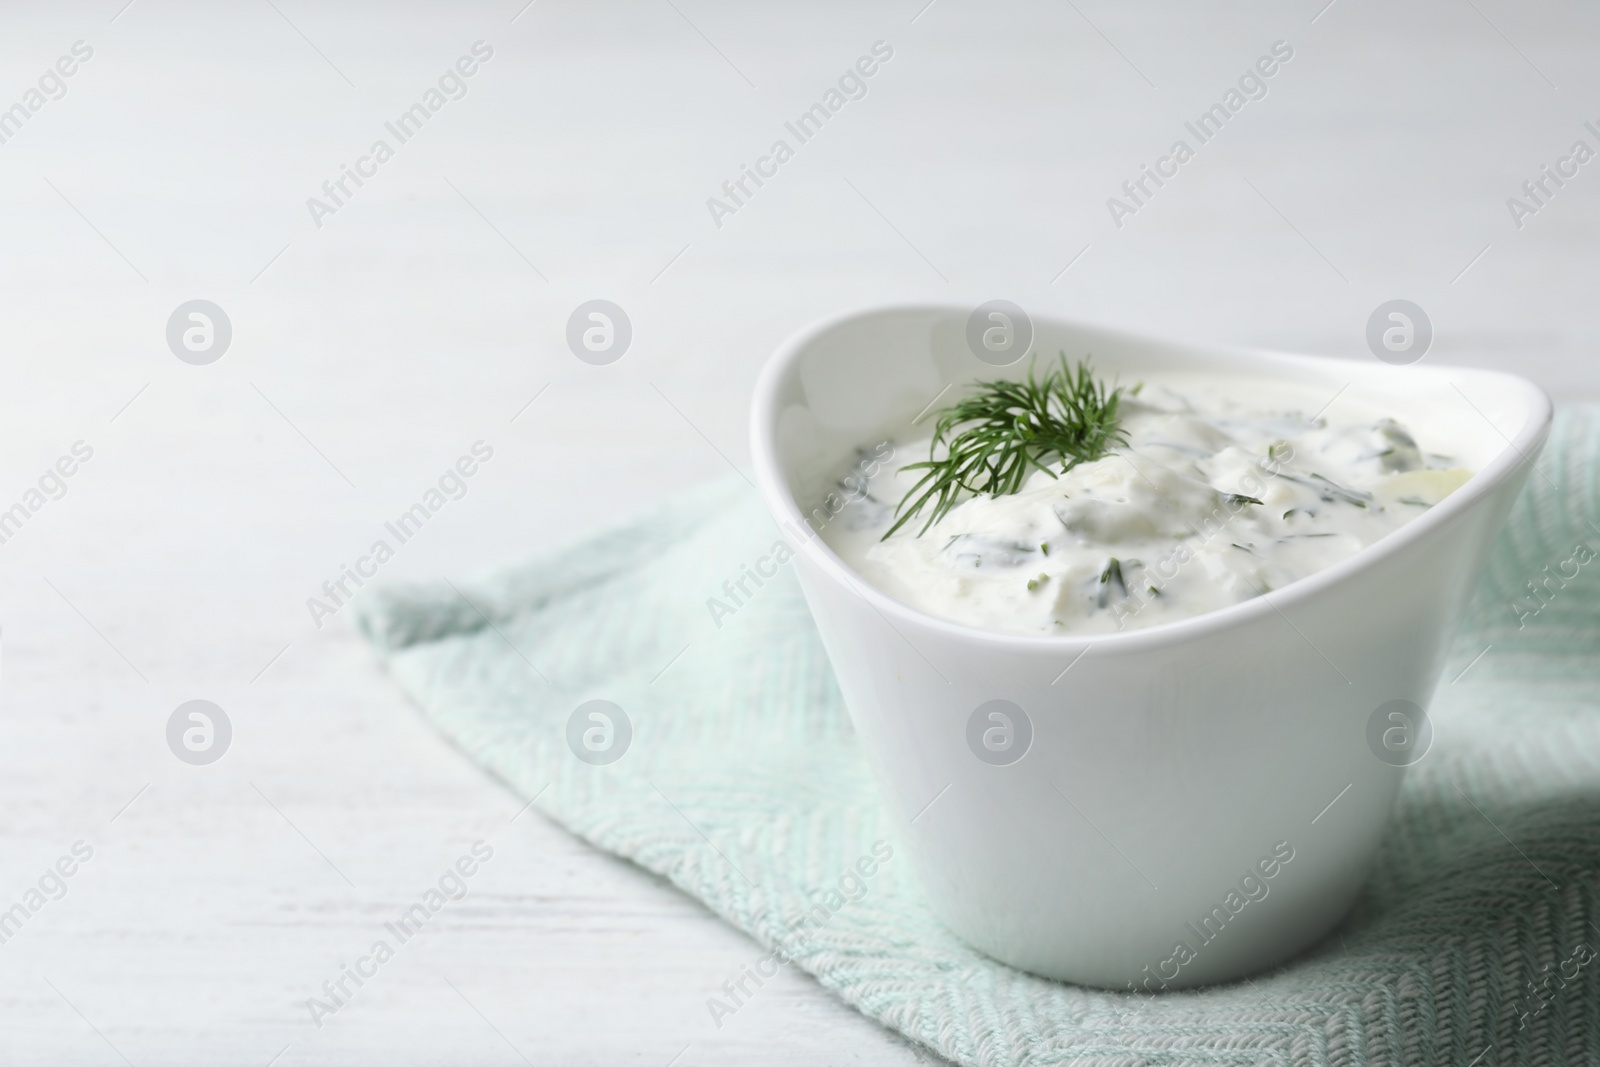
1004	430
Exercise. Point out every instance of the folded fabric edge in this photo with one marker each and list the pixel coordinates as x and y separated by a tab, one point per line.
399	615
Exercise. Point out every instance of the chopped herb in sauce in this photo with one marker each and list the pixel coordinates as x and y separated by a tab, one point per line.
1058	504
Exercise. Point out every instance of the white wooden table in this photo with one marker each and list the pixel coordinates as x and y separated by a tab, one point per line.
370	351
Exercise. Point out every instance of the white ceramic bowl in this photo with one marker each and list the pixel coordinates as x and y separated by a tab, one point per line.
1141	837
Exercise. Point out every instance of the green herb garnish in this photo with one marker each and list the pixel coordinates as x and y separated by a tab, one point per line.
1004	430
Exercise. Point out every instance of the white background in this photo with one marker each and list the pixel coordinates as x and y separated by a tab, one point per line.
371	352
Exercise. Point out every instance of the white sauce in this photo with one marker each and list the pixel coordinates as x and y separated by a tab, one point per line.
1163	529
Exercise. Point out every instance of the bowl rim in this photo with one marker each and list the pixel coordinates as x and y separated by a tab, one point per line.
1518	452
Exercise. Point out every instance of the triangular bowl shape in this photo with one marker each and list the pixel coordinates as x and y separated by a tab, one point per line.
1183	803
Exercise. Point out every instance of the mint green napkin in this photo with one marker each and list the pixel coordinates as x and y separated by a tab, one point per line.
1475	941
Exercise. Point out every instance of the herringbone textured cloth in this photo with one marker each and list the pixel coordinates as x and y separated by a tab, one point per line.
1475	941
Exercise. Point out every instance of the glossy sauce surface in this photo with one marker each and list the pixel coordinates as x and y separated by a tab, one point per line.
1227	489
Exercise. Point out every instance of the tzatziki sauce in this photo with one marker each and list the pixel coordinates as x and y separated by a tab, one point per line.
1226	489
